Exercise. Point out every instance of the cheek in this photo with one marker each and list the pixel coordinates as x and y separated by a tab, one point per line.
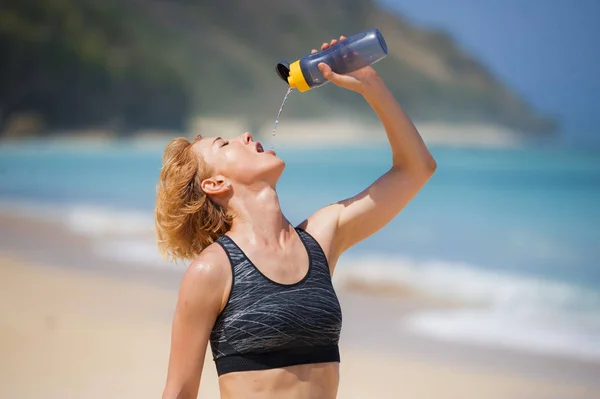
237	163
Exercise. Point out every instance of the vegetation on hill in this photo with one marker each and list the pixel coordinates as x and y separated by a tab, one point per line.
134	64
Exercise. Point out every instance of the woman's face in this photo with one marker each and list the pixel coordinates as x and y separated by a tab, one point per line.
239	160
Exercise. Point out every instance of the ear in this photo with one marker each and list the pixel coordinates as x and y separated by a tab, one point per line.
215	185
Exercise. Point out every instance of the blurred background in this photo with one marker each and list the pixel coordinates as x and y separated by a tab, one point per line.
486	286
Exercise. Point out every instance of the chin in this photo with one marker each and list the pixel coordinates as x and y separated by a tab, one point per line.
276	171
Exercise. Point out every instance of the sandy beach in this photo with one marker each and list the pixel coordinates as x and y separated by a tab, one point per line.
88	333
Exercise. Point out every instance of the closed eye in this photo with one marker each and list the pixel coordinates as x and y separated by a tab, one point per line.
224	143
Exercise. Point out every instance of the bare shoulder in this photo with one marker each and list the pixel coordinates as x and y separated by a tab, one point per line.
322	226
207	279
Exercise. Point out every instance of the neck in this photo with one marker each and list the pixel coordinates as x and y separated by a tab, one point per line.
258	216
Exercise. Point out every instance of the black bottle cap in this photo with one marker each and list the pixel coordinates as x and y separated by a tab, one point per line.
283	70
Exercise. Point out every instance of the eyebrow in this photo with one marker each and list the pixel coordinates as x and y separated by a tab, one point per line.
215	140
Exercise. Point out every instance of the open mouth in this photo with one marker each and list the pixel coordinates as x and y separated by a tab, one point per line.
259	148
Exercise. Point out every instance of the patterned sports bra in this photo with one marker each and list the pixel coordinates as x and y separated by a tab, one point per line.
267	325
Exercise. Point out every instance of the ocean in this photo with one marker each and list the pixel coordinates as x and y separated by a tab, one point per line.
514	233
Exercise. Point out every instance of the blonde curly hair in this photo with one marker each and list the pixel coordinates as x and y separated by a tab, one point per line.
187	220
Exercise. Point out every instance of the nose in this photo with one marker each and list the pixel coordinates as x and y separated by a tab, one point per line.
247	138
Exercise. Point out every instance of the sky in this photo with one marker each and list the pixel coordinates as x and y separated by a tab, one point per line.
548	51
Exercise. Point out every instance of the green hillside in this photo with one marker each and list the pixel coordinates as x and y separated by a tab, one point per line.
131	64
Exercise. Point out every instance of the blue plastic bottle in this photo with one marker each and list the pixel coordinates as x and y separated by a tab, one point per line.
356	52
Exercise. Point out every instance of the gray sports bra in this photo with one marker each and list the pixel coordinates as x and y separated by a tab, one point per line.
268	325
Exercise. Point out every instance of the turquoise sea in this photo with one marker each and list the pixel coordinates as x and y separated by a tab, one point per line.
516	231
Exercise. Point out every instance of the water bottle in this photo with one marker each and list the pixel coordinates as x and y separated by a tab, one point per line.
356	52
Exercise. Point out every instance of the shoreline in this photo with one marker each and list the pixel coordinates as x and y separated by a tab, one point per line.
61	238
303	133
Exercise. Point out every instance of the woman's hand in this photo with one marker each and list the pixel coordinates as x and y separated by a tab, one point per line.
358	81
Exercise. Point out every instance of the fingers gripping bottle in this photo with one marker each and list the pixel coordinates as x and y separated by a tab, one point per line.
349	55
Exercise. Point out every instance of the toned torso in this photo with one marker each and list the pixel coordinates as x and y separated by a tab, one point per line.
305	381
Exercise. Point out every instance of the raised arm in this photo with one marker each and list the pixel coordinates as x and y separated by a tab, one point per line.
199	302
350	221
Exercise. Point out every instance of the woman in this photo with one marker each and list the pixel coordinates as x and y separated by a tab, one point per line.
258	289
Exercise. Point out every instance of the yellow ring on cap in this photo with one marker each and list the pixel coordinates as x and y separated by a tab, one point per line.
296	78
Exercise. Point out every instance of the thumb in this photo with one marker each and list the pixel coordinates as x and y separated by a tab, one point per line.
328	73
